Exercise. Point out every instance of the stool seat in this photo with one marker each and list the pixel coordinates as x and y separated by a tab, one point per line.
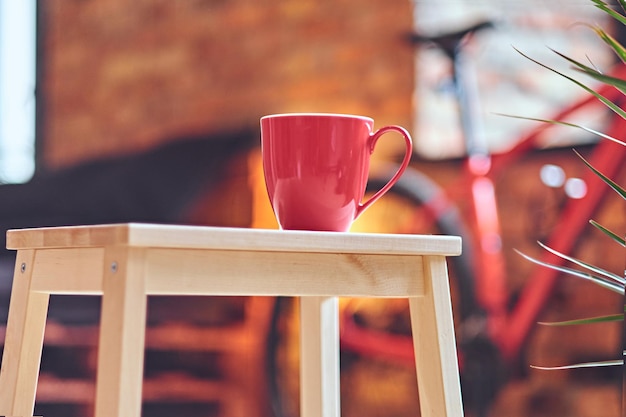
124	263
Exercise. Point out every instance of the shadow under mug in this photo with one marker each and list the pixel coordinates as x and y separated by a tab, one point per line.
316	167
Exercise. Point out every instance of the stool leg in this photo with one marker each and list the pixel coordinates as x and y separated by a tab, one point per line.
23	342
319	357
122	334
434	343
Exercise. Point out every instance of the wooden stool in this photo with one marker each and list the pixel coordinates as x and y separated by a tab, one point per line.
126	263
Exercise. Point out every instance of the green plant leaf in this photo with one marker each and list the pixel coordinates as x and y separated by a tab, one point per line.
611	42
609	233
590	320
560	122
614	107
618	83
607	9
597	270
592	72
598	364
603	282
619	190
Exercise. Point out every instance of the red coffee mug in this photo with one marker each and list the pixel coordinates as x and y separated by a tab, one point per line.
316	167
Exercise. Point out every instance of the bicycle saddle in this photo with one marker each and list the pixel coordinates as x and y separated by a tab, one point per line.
450	41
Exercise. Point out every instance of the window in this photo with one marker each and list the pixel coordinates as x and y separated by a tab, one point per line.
506	81
17	90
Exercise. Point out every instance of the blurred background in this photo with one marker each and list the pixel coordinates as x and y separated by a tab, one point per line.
115	111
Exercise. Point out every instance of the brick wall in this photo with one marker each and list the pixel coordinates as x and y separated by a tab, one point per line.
118	76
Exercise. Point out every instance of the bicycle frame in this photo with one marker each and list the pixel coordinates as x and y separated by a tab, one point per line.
509	328
607	157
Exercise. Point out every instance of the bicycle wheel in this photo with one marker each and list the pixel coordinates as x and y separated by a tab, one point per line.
417	205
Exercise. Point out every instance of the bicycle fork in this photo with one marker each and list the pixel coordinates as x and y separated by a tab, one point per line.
491	285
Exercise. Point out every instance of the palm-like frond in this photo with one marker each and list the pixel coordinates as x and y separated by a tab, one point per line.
620	51
568	124
599	280
609	233
598	275
613	362
605	7
618	83
590	320
619	190
596	270
614	107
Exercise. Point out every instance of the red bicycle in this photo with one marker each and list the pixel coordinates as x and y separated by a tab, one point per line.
492	328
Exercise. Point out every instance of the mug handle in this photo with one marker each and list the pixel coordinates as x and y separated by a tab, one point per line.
405	163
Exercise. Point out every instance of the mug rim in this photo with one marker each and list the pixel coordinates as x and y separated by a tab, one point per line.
315	114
